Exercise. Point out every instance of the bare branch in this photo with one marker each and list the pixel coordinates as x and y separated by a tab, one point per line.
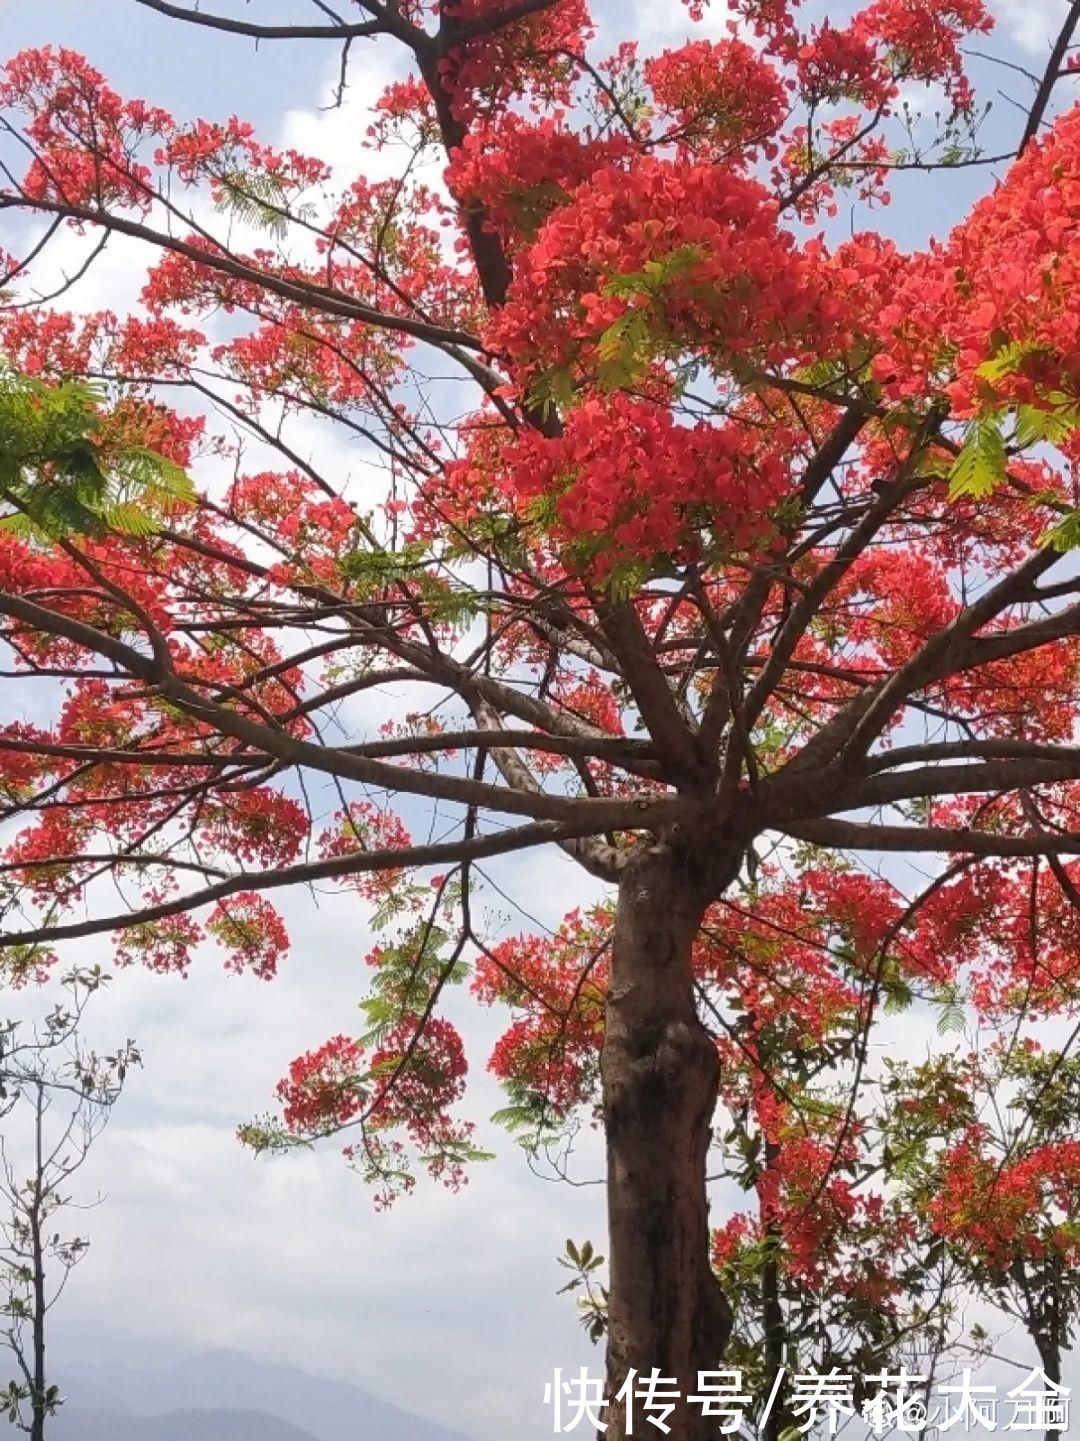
1050	77
860	836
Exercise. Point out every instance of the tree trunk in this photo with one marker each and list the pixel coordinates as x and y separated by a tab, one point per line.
1050	1357
660	1076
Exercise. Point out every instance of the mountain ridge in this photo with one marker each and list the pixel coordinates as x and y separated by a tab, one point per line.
217	1387
191	1425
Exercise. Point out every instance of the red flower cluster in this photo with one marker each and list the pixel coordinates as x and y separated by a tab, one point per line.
692	251
1005	1208
323	1088
481	74
624	473
85	133
252	933
723	98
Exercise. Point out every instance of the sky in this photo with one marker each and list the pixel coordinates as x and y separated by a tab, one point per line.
446	1304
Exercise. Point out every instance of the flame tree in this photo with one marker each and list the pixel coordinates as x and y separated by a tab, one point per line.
724	554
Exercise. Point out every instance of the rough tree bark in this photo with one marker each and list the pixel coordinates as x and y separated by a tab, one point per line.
1049	1348
660	1075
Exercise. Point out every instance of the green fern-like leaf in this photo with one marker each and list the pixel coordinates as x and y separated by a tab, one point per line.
1065	535
1008	359
256	199
56	476
1035	424
981	465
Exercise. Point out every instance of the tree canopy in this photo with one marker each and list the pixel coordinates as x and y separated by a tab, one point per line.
721	546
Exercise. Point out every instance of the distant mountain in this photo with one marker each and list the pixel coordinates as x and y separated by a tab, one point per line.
197	1425
223	1389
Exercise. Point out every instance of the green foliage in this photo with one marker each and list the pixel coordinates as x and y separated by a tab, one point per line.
951	1018
58	477
1057	415
593	1306
266	1135
257	199
624	351
15	1395
627	579
655	275
982	463
1065	535
980	467
630	344
524	1117
551	390
455	1151
1052	423
1008	359
408	971
373	570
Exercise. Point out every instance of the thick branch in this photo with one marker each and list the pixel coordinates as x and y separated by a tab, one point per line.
605	814
859	836
970	750
854	730
957	780
358	31
1051	77
599	859
449	852
627	638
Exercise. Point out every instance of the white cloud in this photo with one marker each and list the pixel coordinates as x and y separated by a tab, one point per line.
1034	23
660	26
337	133
113	282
